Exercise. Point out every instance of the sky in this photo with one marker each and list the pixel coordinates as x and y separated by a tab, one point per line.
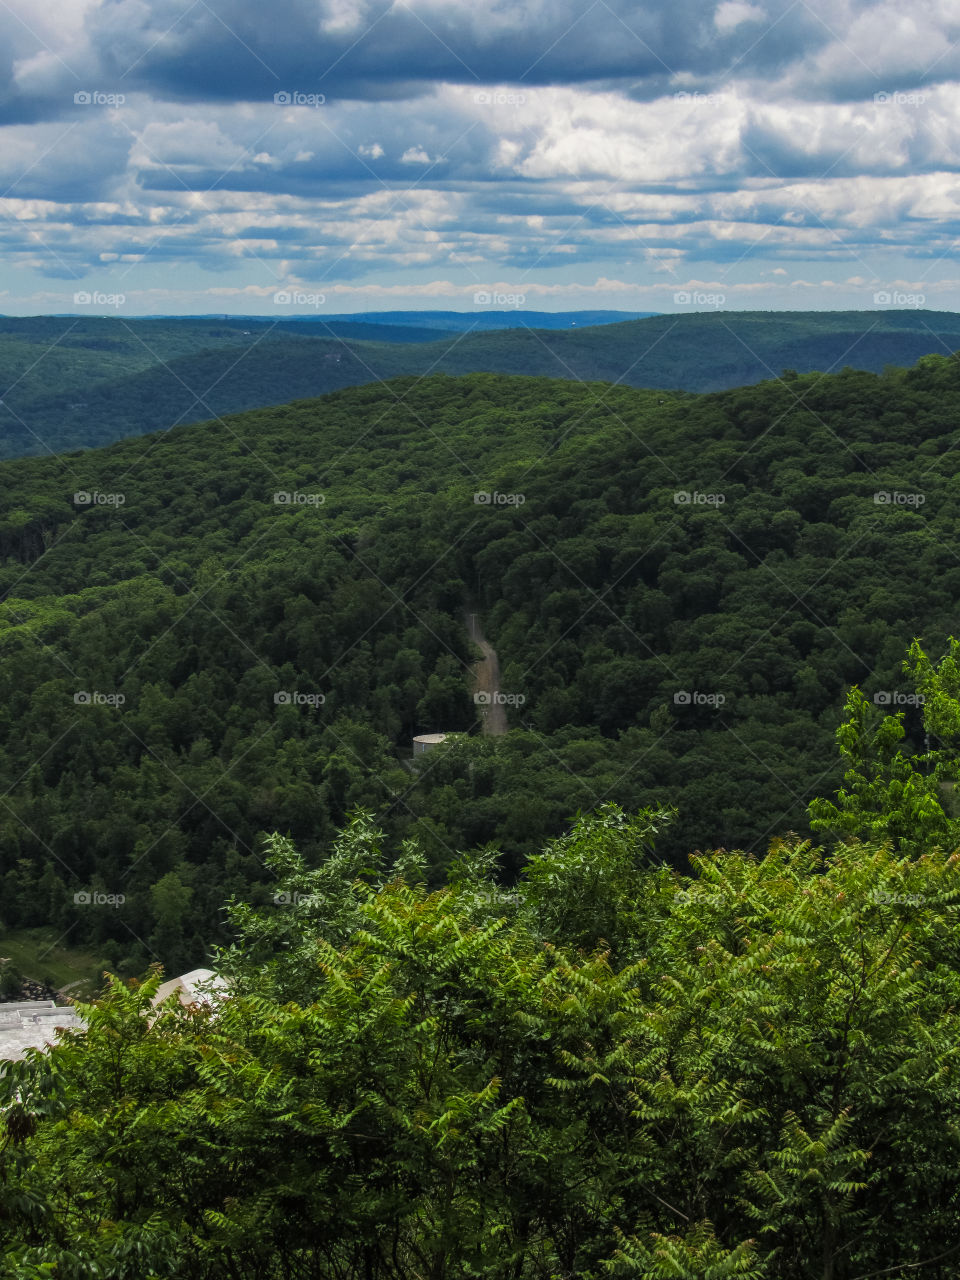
328	156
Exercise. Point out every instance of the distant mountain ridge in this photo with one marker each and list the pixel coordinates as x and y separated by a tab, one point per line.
83	382
482	317
512	318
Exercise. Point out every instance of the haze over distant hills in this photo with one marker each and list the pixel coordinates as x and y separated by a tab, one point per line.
465	321
78	382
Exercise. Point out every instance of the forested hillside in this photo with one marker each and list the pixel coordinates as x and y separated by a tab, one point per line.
679	589
67	383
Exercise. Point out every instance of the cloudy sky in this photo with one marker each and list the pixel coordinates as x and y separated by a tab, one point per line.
204	155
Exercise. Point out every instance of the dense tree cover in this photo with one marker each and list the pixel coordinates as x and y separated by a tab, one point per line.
68	383
609	1069
666	652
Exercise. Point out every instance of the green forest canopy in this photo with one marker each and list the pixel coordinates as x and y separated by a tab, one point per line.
662	647
69	382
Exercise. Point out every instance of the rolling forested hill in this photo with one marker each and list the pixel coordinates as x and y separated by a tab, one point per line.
68	383
235	628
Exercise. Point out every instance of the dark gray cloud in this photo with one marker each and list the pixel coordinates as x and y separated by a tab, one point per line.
244	51
235	49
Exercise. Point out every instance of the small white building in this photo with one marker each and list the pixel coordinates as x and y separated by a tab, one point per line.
199	986
33	1024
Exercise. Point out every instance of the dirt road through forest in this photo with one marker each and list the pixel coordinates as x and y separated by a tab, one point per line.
486	680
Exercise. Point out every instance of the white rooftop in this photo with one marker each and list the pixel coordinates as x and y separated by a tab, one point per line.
195	987
32	1024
